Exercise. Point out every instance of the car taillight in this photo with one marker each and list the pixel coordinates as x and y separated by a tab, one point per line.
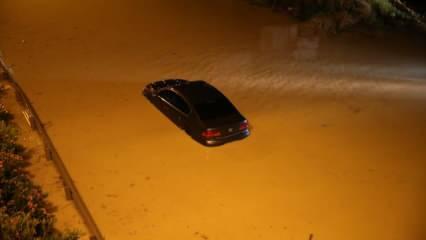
211	133
244	125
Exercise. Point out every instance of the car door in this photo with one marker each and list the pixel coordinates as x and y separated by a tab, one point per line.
175	107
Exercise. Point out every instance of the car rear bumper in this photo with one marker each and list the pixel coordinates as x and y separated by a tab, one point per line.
226	139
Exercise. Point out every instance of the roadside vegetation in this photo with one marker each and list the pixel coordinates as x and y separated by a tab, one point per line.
25	213
338	15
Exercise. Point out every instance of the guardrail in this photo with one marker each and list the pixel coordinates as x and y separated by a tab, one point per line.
35	123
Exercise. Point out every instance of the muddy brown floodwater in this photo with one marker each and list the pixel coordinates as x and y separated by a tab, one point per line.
339	123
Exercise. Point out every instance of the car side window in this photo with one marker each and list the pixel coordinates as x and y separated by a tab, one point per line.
175	100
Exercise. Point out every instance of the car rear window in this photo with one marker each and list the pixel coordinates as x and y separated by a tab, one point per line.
216	108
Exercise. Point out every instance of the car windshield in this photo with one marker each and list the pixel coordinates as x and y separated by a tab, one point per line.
214	109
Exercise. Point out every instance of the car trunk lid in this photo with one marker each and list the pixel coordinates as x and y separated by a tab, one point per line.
222	128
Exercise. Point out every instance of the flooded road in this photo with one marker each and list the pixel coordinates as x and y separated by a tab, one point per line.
337	149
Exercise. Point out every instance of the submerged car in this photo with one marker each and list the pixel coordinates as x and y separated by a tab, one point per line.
200	109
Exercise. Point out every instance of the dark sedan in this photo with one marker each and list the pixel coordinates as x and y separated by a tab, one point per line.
199	109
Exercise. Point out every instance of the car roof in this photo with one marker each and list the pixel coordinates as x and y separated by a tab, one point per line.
199	91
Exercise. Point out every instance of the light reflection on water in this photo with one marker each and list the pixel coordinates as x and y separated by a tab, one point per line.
266	52
292	58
